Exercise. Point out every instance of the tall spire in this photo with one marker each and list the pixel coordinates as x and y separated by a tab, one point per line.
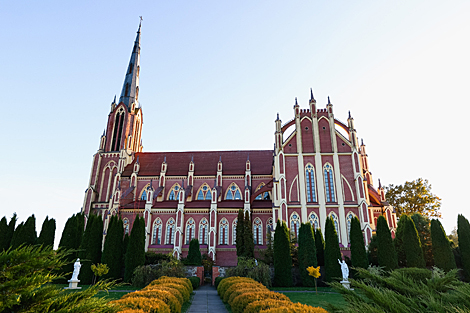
130	88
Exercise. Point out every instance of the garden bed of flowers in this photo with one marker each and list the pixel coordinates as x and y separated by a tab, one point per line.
245	295
163	295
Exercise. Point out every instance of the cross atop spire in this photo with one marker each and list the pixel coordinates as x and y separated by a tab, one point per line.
130	88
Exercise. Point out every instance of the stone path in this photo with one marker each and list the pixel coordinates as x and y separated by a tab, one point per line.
206	300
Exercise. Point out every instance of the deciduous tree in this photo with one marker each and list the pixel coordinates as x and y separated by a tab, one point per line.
414	197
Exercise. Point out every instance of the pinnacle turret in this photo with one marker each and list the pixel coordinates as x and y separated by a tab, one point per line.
130	88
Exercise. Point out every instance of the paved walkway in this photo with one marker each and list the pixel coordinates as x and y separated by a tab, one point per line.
206	300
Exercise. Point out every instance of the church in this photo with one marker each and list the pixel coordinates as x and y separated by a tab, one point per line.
317	169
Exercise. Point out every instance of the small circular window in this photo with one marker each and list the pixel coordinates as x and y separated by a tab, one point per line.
306	128
324	127
290	145
343	144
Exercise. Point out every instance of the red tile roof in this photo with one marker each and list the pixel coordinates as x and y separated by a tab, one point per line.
205	162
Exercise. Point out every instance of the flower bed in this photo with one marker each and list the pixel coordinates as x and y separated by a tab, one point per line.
163	295
245	295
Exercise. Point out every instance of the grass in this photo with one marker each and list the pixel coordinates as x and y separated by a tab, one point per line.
320	289
313	299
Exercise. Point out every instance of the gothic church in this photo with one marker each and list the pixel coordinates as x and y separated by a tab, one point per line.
316	171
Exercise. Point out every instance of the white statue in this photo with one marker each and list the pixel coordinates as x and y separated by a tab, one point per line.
76	270
344	270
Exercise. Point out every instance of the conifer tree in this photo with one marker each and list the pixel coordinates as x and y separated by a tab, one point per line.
3	231
372	255
441	250
282	256
358	248
194	253
398	241
125	245
386	254
10	231
412	245
423	227
90	249
47	235
307	253
112	251
248	237
320	247
70	240
463	231
332	252
240	234
135	255
25	235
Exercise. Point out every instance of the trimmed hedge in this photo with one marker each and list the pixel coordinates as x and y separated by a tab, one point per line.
295	308
240	302
257	306
145	304
173	303
217	281
194	282
239	286
228	282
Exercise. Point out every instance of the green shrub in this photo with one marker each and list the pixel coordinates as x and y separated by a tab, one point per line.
398	241
386	254
240	231
463	230
307	253
135	255
412	245
282	256
144	275
194	254
358	248
90	248
195	281
217	281
247	267
156	258
441	250
423	227
112	252
172	268
415	273
320	247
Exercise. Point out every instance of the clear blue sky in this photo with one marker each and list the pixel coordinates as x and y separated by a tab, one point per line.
215	73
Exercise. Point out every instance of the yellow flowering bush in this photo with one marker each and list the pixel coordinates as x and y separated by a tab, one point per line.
240	302
227	282
184	281
256	306
179	286
242	285
165	296
173	291
132	311
314	271
236	293
295	308
145	304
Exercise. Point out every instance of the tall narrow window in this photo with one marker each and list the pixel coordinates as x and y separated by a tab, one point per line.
144	195
170	229
203	230
329	186
223	232
190	230
125	222
310	181
234	231
349	218
264	195
118	121
233	193
204	192
157	232
313	219
295	224
200	195
335	221
257	232
269	225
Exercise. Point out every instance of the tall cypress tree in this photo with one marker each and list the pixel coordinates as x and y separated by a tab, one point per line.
47	235
90	249
16	239
441	250
70	240
26	234
332	252
282	256
240	243
412	245
248	237
10	231
423	227
463	231
112	251
3	231
358	248
135	255
386	254
398	241
194	253
307	253
372	255
320	247
125	245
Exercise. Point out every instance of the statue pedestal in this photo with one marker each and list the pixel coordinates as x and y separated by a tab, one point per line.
346	284
73	284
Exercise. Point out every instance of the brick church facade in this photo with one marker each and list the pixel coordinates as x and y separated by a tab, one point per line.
316	170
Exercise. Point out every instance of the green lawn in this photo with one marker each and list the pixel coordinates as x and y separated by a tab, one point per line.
314	299
323	289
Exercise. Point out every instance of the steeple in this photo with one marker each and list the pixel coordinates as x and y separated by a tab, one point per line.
130	88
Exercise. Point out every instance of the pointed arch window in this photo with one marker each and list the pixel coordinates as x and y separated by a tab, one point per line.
118	123
349	218
264	195
295	224
234	231
157	232
203	230
190	230
257	232
223	232
313	219
174	192
204	192
310	181
170	232
335	222
144	195
269	225
125	223
233	192
329	185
